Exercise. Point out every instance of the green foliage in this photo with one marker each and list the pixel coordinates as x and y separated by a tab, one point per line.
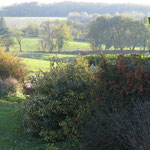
96	60
54	36
3	28
11	66
7	41
62	34
32	30
61	105
118	32
52	147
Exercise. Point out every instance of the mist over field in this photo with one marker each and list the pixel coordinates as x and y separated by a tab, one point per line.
62	9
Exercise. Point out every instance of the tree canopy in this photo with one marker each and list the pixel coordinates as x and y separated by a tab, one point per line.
118	32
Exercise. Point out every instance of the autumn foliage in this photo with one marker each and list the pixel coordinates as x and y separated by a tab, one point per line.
126	77
12	66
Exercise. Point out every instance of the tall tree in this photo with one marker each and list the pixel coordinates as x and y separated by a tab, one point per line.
6	39
99	33
48	41
62	35
3	28
18	35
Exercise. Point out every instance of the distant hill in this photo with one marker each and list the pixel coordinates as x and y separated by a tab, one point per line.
62	9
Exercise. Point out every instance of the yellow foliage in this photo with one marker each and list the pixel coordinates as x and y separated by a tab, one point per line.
12	66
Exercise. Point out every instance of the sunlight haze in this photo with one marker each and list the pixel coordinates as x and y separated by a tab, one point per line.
10	2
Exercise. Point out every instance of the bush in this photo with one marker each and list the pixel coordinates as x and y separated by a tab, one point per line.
132	127
97	59
7	86
97	133
11	66
62	105
128	129
121	81
125	79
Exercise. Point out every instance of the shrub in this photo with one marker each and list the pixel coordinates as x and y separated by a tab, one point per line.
97	59
97	133
8	85
94	59
62	104
127	129
51	147
123	80
11	66
132	127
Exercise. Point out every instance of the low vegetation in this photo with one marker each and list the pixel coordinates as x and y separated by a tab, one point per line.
11	66
80	105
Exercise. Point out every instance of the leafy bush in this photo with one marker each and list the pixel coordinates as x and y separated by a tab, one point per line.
11	66
51	147
94	59
97	59
61	105
123	80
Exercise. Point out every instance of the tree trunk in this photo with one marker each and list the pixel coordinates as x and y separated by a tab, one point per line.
20	46
133	48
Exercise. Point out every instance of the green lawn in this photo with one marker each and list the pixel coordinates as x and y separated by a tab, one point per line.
47	56
32	44
77	46
36	65
41	61
11	135
28	44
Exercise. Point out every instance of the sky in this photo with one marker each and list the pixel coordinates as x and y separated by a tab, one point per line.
10	2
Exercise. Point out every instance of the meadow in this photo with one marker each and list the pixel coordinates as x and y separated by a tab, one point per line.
20	22
37	60
12	136
41	61
32	44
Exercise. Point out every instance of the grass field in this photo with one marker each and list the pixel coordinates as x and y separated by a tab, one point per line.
32	44
41	61
77	46
20	22
11	135
35	65
28	44
47	56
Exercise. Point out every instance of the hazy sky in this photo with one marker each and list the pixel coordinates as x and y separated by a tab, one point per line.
9	2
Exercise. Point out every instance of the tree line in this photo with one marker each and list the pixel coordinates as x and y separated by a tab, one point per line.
52	35
105	32
118	32
62	9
